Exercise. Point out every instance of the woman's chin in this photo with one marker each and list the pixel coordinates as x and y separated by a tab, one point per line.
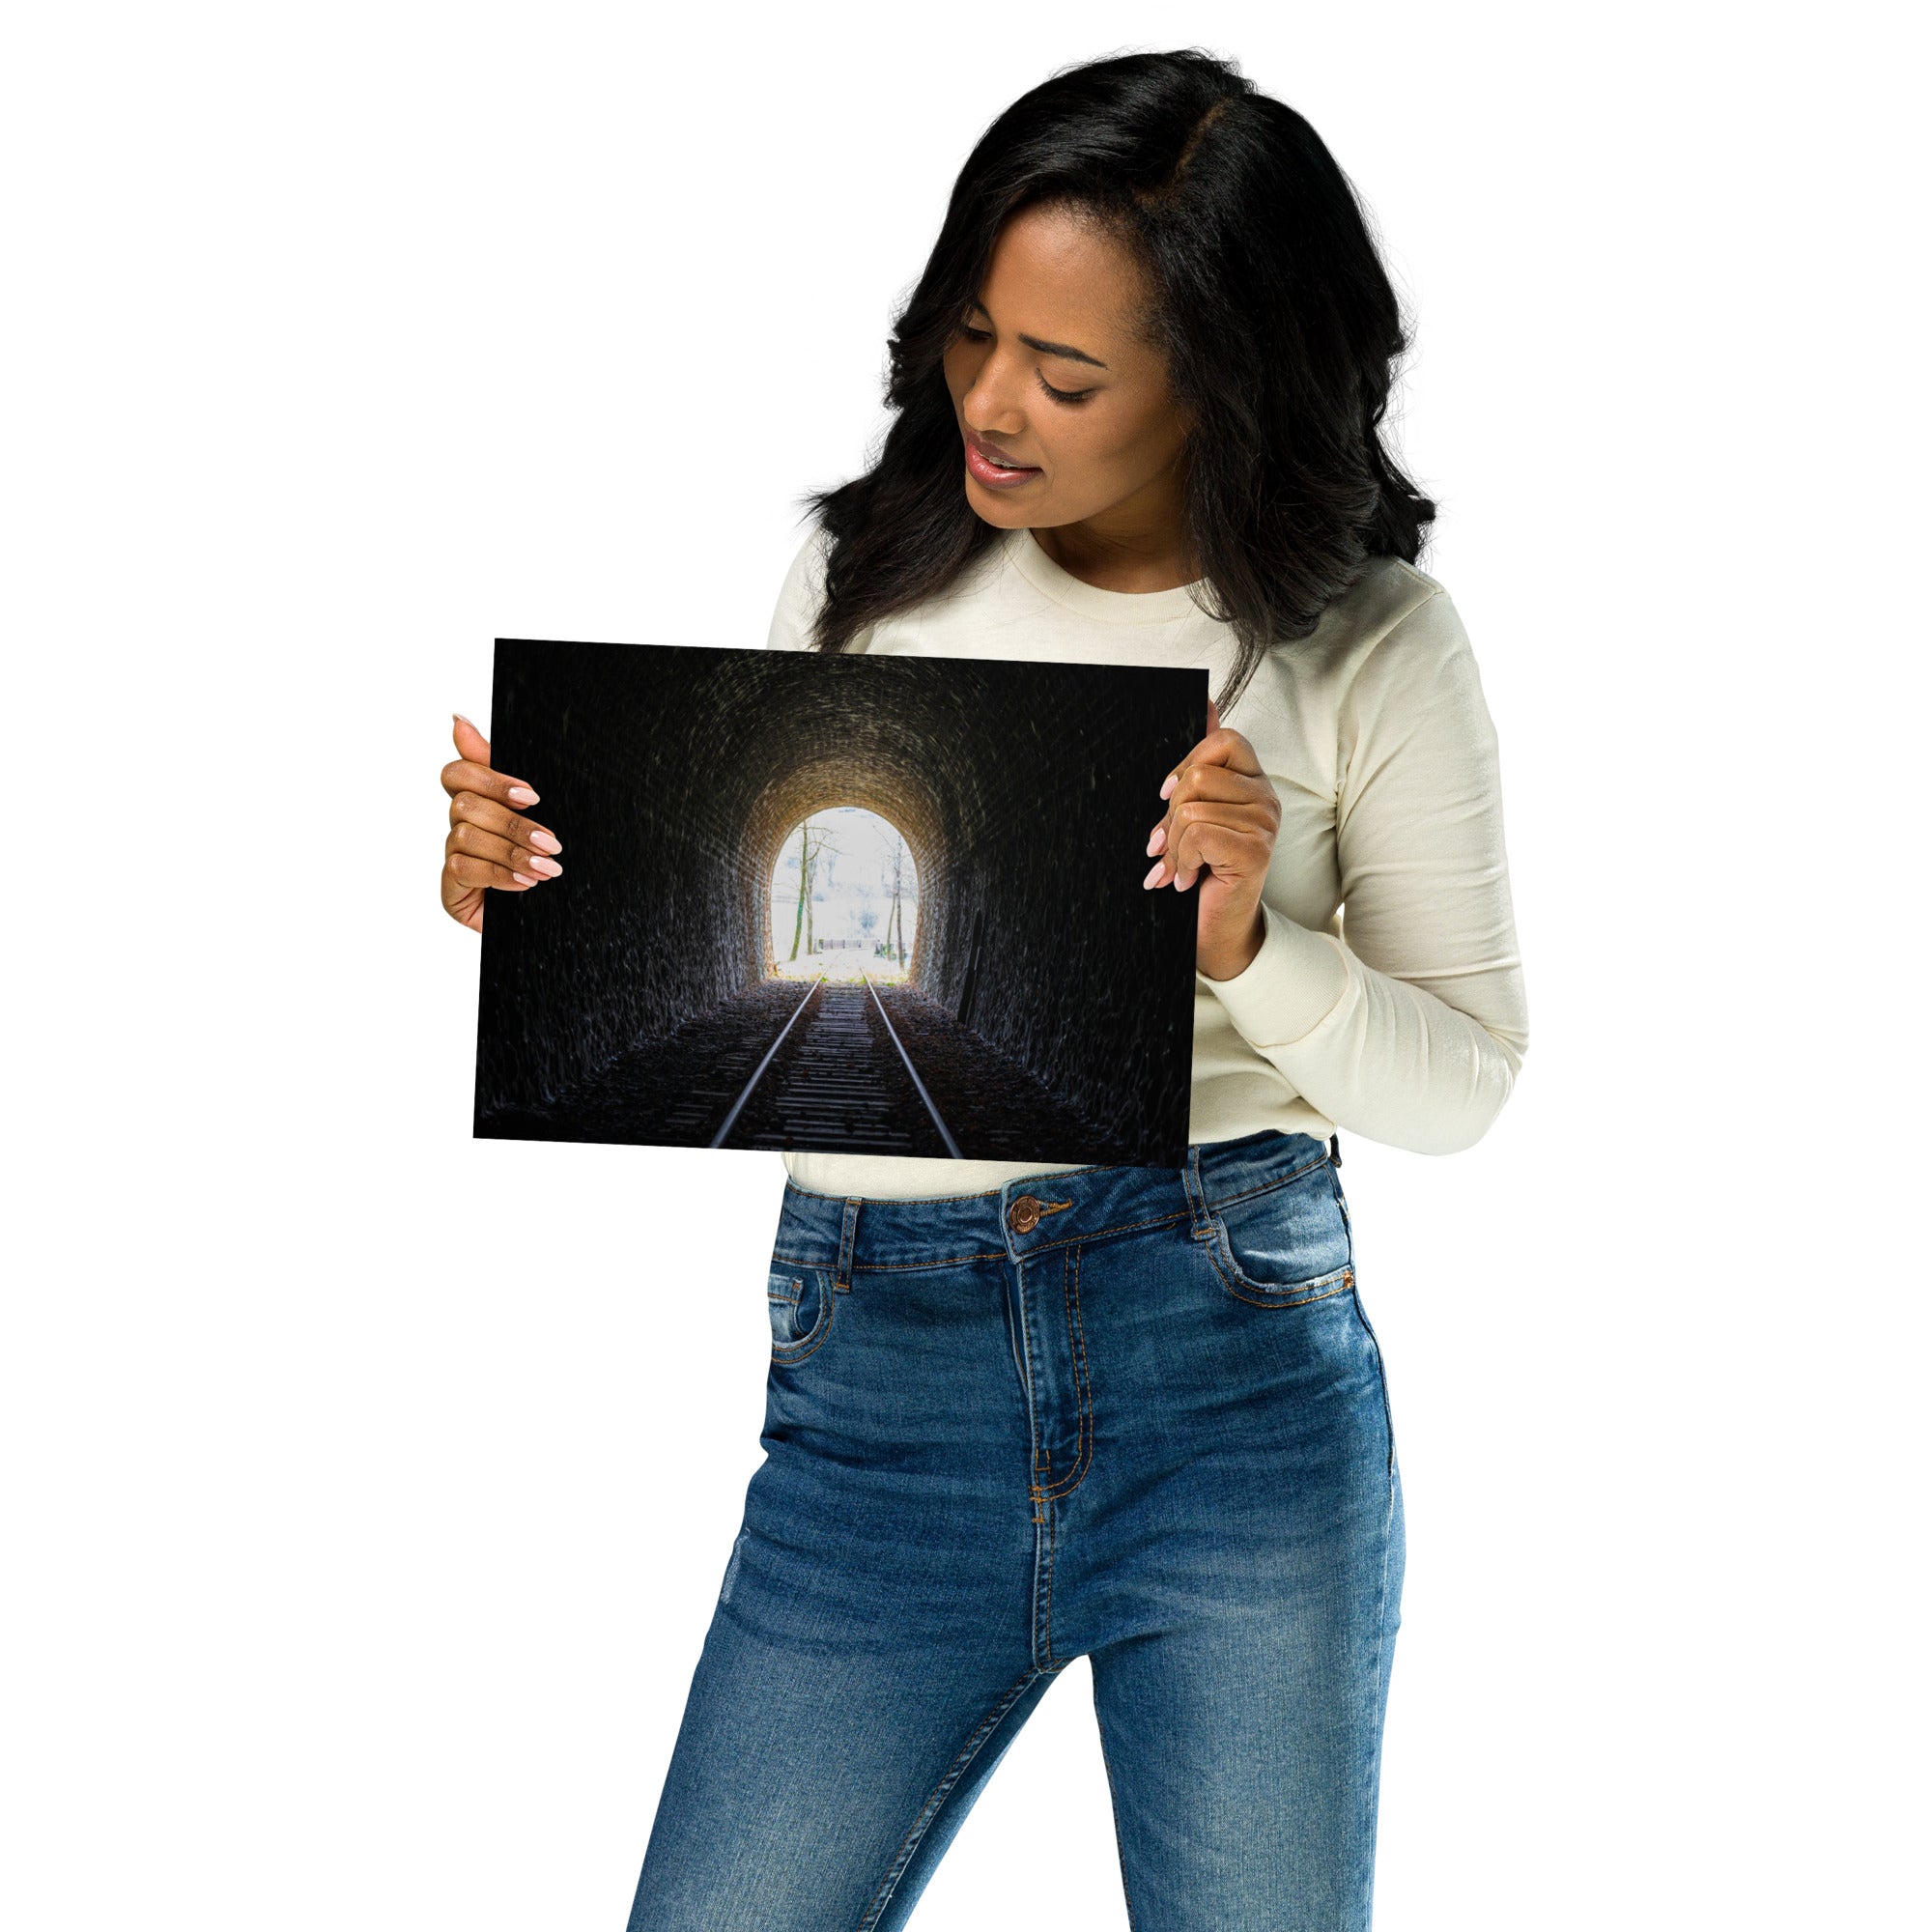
998	507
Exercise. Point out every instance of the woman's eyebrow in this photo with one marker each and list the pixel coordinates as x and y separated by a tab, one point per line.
1066	349
1062	349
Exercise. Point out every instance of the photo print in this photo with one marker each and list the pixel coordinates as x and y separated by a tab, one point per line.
882	905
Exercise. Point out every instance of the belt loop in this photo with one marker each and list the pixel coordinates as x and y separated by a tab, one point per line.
1197	1194
842	1275
1335	1149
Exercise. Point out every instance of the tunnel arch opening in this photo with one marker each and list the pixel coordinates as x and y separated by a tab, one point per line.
845	898
814	787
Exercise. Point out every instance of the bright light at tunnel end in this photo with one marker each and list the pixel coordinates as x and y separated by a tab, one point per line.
844	899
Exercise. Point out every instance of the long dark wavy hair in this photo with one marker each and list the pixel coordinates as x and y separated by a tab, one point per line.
1269	302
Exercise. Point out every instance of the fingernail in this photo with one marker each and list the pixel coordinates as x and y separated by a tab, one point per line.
1159	867
522	878
461	720
549	868
522	795
1173	779
1158	839
544	843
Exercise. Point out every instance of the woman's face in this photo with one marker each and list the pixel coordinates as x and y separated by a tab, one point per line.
1046	372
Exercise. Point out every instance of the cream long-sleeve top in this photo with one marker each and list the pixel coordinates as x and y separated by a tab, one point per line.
1387	997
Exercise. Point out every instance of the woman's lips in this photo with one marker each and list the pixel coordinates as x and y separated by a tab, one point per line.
996	475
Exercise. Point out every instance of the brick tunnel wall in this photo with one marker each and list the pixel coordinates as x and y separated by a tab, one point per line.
672	775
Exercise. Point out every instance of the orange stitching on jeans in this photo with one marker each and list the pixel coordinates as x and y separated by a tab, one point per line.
1043	1493
1025	1334
1249	1193
1045	1631
1119	1228
996	1254
1083	1454
886	1268
949	1261
816	1339
1238	1290
1218	1229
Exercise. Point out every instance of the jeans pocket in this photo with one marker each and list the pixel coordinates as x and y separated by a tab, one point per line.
1287	1242
801	1301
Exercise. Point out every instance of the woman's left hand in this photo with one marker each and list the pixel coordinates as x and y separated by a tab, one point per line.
1222	816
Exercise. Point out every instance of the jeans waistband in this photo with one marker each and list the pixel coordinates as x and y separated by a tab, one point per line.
1030	1214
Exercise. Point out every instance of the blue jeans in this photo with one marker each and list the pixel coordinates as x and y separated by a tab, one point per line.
1134	1414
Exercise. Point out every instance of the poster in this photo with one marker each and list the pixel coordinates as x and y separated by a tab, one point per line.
853	903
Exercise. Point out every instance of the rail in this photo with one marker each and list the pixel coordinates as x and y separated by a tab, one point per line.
945	1132
848	1077
771	1053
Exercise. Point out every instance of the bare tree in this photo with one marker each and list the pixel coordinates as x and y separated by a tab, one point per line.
895	917
813	843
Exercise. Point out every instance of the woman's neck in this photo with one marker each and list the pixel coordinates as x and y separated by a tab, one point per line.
1129	560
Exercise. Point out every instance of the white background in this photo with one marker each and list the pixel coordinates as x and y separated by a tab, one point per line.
367	1487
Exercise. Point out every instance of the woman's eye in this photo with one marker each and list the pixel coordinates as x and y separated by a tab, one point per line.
1064	395
972	334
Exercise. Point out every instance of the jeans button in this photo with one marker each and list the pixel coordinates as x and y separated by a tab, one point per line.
1023	1216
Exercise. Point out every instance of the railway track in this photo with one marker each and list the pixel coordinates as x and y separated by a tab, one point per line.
837	1073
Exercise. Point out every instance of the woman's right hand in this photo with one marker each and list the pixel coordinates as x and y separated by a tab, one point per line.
490	842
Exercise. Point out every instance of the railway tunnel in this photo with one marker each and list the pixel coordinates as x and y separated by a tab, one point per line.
674	773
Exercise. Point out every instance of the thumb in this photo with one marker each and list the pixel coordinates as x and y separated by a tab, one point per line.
470	742
1213	717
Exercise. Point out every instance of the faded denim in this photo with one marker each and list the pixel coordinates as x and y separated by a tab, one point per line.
1150	1429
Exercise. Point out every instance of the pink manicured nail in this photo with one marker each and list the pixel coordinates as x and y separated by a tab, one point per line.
544	843
522	795
461	720
1173	779
549	868
522	878
1159	867
1158	839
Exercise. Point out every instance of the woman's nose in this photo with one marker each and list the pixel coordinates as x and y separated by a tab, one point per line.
990	406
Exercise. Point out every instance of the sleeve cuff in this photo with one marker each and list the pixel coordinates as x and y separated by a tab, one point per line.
1287	988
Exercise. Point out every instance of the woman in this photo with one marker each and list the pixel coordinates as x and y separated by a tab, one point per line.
1019	1415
